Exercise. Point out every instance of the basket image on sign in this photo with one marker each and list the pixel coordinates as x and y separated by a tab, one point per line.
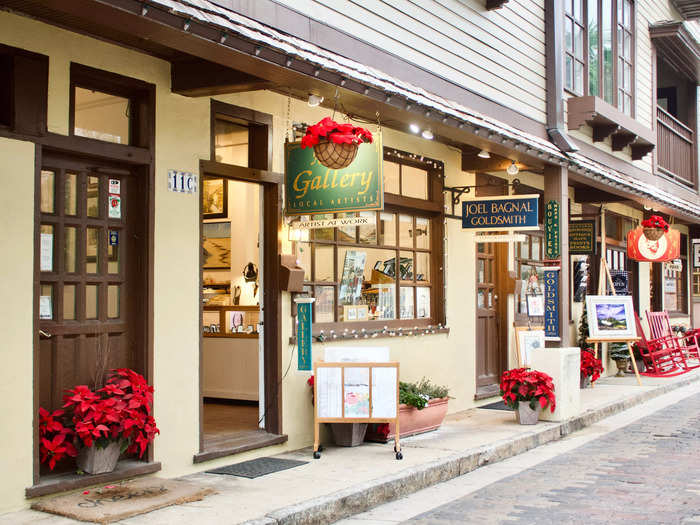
335	156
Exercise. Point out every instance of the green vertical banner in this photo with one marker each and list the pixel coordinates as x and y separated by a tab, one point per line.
552	241
304	337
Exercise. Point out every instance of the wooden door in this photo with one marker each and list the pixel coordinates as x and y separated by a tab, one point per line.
91	274
491	342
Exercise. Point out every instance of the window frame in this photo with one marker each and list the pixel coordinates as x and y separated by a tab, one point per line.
431	209
616	52
681	279
569	17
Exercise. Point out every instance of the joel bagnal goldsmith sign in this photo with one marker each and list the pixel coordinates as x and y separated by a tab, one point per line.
501	213
313	188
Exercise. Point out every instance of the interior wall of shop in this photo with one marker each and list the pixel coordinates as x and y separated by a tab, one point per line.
646	12
182	139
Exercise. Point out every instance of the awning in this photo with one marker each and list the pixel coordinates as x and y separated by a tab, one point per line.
678	44
227	21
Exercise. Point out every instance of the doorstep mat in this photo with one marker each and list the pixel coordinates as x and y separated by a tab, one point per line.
110	503
498	405
257	467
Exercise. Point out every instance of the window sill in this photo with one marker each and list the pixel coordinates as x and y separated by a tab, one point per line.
54	483
341	335
607	121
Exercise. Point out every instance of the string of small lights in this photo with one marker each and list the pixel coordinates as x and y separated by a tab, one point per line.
363	333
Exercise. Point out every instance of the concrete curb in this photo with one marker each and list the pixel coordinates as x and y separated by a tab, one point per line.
359	498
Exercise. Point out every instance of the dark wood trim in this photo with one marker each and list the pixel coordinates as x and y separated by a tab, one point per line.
35	316
217	169
678	47
61	483
409	202
266	440
198	78
607	120
495	4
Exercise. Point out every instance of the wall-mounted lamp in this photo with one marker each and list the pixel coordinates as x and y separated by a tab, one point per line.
315	100
512	169
483	154
427	134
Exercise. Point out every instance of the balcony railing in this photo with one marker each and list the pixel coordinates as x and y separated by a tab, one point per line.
675	148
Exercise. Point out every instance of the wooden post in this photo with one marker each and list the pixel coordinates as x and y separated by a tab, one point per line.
556	187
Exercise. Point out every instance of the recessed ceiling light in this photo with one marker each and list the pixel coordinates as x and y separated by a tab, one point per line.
427	134
484	154
315	100
414	128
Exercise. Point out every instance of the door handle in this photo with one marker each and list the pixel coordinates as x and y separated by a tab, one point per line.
44	334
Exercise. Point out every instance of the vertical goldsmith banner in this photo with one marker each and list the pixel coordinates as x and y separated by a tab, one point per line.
551	303
304	333
551	230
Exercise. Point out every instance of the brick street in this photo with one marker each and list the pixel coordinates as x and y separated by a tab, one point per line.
646	472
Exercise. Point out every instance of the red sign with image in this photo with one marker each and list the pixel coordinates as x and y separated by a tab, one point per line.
667	248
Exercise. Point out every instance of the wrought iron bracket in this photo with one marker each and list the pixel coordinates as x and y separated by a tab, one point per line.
458	191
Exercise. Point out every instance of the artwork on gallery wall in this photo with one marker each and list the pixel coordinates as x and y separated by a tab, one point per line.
216	244
527	340
214	198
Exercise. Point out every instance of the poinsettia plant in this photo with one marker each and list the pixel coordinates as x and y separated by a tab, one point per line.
531	386
655	221
590	365
120	411
329	130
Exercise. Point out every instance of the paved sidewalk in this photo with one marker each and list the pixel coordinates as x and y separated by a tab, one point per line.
346	481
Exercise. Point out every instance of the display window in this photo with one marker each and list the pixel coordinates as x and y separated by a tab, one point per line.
384	271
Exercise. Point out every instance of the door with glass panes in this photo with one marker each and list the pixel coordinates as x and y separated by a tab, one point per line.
92	273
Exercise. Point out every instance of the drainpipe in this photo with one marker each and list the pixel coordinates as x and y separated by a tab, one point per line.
554	72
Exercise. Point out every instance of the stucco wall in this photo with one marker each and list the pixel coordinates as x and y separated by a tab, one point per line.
16	311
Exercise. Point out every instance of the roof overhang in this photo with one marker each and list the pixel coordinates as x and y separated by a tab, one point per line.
678	46
689	9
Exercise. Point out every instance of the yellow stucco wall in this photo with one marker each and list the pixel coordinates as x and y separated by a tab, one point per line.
16	311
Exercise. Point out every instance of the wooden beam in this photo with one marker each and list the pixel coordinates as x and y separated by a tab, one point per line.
472	162
198	78
622	140
594	195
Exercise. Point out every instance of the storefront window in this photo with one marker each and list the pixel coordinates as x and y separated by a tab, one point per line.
230	142
675	299
383	271
528	265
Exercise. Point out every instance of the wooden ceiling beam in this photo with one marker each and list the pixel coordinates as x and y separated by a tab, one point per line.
198	78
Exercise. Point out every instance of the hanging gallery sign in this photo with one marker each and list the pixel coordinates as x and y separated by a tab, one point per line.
551	303
582	238
501	213
311	187
552	241
666	248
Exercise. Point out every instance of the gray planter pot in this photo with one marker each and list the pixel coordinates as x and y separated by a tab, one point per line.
525	415
586	382
95	460
349	434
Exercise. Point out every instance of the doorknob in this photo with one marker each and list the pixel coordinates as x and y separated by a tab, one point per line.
44	334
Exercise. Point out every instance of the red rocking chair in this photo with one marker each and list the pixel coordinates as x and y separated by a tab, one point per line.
686	345
660	359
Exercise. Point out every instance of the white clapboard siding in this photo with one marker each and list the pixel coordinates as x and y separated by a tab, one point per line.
498	54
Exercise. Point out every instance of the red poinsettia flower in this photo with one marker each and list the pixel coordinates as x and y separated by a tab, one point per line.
590	366
328	129
523	384
655	221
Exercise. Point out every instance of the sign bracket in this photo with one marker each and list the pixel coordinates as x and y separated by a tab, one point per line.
458	191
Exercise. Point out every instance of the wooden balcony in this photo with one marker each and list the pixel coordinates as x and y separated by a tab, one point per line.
675	148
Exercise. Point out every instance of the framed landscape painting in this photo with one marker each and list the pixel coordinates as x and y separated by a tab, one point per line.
610	317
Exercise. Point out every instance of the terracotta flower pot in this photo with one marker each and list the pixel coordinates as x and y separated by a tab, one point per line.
527	416
94	460
413	421
335	156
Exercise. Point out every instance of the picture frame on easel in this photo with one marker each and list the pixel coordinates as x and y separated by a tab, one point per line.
527	339
610	316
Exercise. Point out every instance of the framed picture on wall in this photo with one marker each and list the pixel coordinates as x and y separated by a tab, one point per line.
527	340
535	305
214	198
216	245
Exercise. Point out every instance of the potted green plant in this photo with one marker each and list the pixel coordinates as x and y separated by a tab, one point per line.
422	408
619	353
527	392
97	426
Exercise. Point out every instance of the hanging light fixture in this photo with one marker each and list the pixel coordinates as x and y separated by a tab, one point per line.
315	100
427	134
483	154
512	169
